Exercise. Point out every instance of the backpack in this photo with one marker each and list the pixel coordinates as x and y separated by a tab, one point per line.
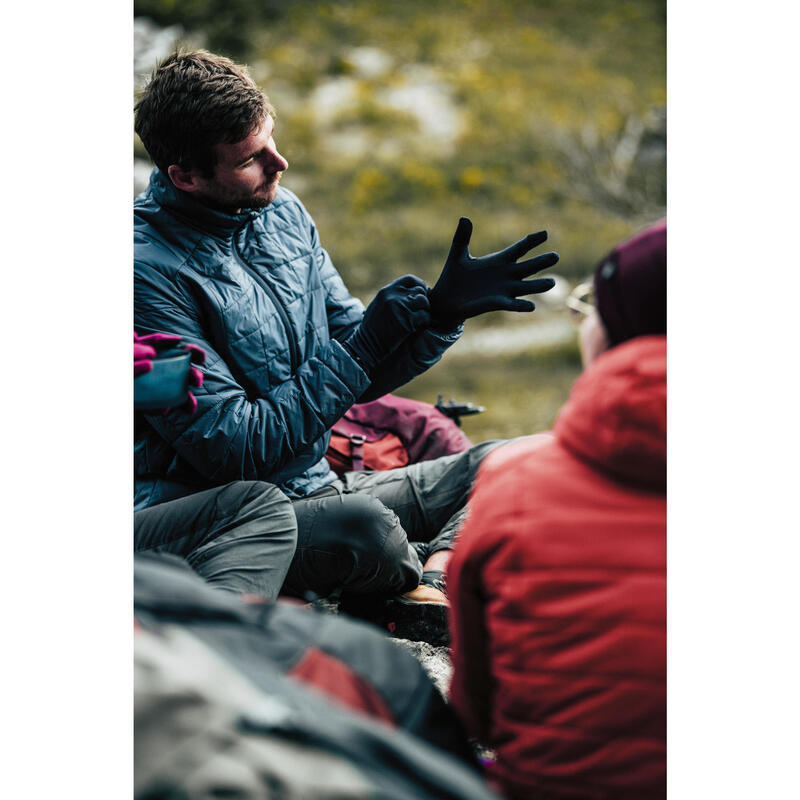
203	728
351	664
392	432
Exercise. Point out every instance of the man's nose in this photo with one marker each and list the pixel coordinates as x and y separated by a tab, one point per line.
274	161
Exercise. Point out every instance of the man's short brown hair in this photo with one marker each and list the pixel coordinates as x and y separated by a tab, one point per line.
194	101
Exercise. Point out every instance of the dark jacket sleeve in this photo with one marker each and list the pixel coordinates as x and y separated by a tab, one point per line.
231	437
415	355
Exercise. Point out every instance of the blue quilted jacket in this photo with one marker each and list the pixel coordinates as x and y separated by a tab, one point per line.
258	292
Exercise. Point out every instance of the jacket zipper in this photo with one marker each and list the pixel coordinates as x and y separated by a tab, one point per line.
294	350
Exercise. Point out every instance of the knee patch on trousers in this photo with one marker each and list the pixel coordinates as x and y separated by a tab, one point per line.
376	545
360	524
259	504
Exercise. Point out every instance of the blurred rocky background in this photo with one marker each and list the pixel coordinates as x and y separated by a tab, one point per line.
397	118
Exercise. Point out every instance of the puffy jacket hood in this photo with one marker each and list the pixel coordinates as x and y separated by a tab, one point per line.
616	415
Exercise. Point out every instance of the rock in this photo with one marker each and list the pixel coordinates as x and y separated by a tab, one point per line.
435	661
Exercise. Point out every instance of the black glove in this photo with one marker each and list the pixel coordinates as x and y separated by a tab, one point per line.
399	309
471	286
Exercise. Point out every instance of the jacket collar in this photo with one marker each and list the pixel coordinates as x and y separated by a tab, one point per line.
195	213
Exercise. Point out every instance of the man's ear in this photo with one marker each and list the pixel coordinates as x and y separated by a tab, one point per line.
184	179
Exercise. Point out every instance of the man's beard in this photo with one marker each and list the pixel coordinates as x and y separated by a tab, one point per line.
223	199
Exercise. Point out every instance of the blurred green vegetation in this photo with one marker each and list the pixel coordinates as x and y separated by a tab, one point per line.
397	118
522	393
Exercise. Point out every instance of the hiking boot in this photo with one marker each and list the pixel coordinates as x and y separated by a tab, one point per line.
420	615
434	578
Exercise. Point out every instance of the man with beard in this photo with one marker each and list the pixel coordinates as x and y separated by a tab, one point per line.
232	262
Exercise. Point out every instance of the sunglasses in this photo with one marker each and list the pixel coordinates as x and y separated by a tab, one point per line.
580	300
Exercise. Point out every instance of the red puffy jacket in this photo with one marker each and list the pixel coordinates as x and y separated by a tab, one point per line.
558	591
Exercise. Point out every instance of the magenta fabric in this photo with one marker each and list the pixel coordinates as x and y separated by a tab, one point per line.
425	432
198	356
630	286
146	348
143	356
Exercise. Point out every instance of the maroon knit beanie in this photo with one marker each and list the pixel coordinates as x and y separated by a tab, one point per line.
630	286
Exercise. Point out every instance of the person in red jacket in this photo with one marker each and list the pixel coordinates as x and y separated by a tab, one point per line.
558	583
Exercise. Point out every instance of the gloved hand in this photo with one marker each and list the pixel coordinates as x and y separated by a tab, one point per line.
146	348
398	310
471	286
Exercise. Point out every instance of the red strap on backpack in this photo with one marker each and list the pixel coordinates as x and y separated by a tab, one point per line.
391	432
357	451
346	456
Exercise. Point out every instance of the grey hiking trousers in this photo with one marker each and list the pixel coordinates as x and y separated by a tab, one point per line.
371	532
239	537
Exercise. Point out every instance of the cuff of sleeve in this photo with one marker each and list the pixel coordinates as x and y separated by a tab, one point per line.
447	333
344	356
